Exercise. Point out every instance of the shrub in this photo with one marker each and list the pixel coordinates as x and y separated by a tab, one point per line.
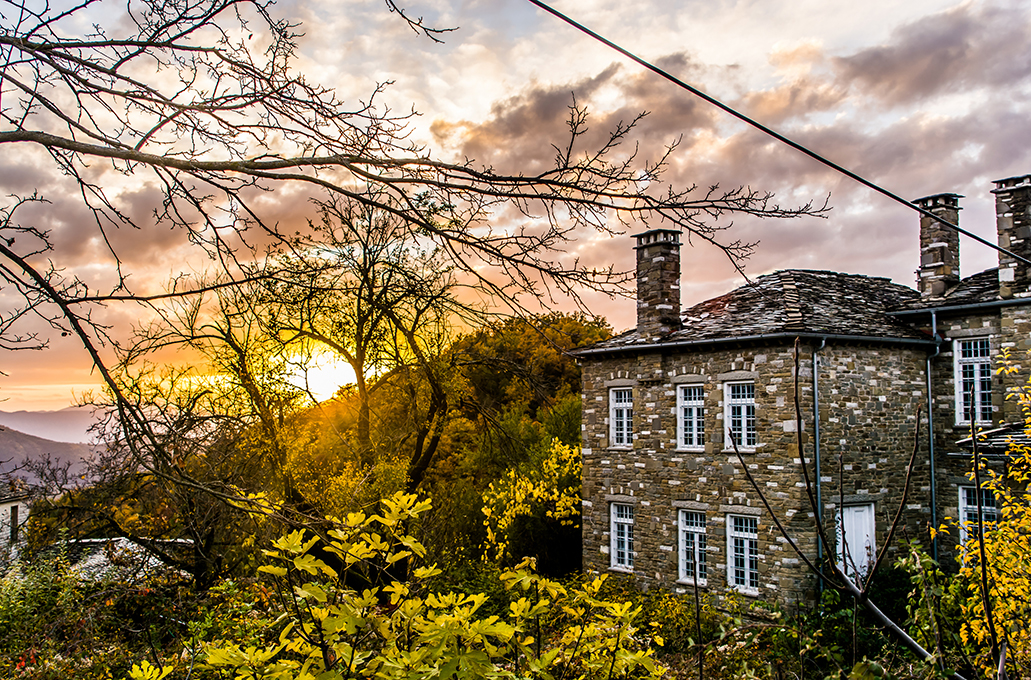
370	614
535	510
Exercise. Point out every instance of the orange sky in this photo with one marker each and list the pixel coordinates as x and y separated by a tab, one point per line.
923	98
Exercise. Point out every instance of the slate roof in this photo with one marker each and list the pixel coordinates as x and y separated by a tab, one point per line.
793	301
979	288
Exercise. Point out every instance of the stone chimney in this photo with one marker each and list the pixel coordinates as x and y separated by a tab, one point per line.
1013	220
658	282
939	245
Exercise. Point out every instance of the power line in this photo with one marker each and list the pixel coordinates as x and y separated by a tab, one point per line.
773	133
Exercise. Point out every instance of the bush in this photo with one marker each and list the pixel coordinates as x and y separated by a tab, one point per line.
534	510
364	616
56	624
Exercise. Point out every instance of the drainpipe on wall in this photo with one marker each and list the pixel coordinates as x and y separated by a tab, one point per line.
816	451
930	432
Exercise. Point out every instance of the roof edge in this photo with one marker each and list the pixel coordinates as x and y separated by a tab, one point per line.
957	308
750	338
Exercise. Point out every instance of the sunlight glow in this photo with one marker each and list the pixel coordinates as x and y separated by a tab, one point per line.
322	374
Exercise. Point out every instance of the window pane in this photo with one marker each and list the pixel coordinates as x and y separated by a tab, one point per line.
692	546
974	380
742	391
622	536
741	414
621	414
968	511
744	552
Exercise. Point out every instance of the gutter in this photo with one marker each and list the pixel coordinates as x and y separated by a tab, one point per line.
749	338
930	433
816	450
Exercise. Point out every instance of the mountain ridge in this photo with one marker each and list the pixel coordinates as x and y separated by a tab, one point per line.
68	425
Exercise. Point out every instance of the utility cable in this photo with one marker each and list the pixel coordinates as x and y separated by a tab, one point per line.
773	133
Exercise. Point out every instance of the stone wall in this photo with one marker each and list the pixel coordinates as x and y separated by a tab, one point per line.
869	397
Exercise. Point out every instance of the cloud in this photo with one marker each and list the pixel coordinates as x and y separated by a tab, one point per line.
522	130
950	51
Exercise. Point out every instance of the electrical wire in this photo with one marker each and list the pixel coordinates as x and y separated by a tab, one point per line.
773	133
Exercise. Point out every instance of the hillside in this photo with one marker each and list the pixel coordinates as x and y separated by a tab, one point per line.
15	447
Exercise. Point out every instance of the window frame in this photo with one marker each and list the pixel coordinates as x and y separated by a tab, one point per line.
981	366
621	413
621	529
697	407
748	565
729	403
697	532
965	507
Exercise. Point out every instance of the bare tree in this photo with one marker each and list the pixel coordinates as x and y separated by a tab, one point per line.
189	100
361	290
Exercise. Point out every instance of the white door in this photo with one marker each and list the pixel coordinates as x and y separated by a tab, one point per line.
857	546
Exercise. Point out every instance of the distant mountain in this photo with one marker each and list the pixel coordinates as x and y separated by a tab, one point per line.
16	446
67	425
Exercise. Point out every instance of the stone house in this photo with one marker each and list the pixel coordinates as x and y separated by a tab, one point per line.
667	499
14	507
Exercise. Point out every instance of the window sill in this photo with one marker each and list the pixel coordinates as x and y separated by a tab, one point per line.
690	449
747	592
691	583
741	449
622	570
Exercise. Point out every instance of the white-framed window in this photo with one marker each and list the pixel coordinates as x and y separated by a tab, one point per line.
973	380
856	538
692	547
743	553
621	416
968	511
691	417
621	536
739	414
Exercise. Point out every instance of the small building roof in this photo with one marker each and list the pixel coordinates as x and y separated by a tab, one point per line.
997	441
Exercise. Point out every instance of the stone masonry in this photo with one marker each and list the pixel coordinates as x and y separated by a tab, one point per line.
868	421
1013	219
658	282
939	245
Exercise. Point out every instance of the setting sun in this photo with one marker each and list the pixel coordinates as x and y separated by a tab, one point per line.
322	375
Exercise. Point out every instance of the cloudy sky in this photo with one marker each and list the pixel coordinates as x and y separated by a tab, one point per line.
921	97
